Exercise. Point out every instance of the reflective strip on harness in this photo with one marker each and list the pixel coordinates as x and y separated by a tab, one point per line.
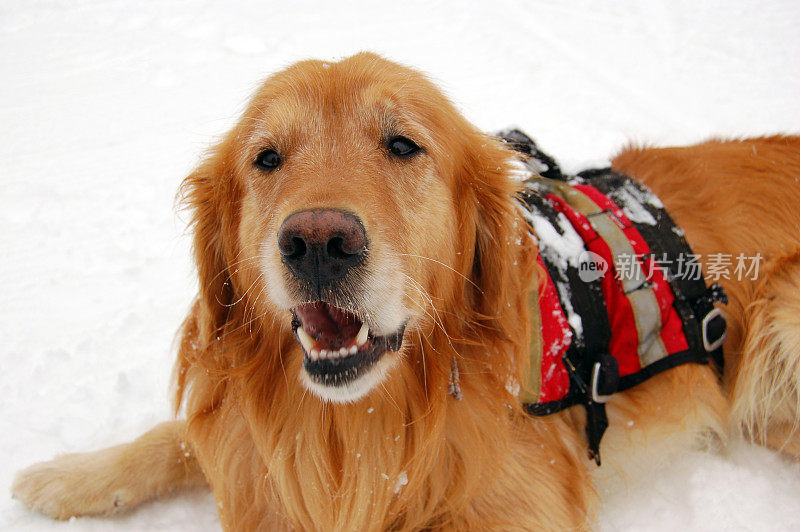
634	284
531	385
547	378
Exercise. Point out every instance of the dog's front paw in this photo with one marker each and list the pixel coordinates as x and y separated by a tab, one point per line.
68	486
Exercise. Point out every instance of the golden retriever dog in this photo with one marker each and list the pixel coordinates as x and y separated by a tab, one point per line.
365	275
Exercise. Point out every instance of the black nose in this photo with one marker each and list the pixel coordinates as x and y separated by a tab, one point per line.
322	246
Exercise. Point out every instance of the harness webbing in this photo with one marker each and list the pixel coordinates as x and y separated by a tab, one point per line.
606	332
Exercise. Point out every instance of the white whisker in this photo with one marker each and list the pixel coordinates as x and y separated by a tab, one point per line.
446	266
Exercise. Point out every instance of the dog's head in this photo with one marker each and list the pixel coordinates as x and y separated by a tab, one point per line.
353	206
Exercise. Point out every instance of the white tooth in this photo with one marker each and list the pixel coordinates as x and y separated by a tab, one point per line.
305	339
314	354
323	353
343	352
333	353
353	349
361	337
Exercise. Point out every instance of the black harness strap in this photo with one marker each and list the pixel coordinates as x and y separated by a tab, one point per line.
589	346
544	166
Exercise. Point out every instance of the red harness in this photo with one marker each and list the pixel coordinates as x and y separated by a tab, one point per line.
615	306
624	338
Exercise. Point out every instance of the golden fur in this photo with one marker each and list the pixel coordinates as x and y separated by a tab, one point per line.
451	250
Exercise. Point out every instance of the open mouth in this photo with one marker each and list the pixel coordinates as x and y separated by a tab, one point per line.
338	347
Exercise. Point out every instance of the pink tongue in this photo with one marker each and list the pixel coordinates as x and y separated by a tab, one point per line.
327	324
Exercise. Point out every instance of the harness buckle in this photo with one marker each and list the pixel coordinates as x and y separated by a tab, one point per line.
709	344
597	397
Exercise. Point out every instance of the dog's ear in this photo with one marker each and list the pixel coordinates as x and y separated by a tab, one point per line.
205	194
504	254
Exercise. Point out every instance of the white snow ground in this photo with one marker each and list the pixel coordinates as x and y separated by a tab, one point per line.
104	107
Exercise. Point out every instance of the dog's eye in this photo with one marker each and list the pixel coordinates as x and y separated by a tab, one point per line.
402	147
268	160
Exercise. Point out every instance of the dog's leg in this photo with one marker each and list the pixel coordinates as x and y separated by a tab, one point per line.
676	410
765	391
113	479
